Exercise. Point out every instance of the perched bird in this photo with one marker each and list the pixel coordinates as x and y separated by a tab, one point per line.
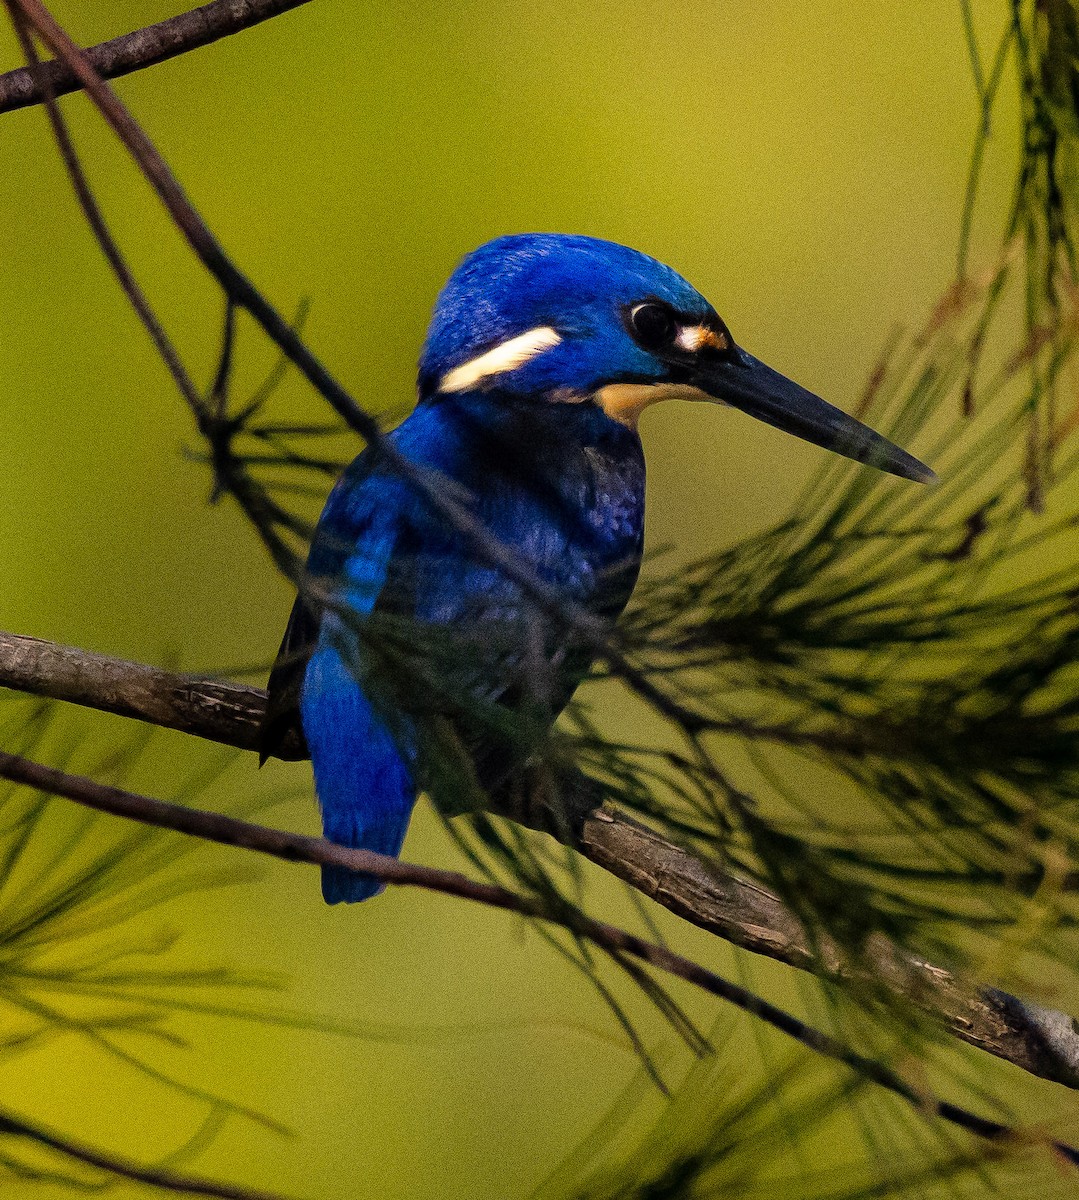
542	353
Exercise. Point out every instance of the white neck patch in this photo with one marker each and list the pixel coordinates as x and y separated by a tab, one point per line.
501	358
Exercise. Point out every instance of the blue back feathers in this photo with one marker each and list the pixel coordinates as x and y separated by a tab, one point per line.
560	482
542	351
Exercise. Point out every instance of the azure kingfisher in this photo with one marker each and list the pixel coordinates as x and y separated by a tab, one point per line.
542	353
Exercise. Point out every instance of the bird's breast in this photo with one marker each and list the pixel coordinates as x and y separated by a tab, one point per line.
562	485
578	516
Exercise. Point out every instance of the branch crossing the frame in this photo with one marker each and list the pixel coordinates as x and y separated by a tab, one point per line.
1040	1041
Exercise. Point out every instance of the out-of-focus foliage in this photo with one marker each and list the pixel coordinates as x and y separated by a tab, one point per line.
87	948
877	658
918	643
724	1136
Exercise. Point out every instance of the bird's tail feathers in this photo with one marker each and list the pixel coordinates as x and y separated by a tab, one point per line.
383	832
364	783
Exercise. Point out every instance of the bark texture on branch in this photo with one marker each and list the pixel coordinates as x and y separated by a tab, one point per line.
144	47
1039	1040
222	712
230	831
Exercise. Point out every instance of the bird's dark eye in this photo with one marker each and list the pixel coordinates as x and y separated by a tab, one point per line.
653	326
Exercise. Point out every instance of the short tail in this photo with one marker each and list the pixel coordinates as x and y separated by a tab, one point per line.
364	785
346	887
385	836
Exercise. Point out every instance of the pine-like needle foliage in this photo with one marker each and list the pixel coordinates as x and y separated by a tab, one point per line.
81	954
872	707
93	958
923	647
732	1133
918	646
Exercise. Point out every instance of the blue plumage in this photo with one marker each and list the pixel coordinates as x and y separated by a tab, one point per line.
542	351
578	285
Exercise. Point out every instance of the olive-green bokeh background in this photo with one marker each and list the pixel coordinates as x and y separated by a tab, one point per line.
802	165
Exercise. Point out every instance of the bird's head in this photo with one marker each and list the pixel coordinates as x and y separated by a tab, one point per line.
561	319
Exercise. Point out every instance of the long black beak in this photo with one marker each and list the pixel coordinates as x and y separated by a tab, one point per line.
745	382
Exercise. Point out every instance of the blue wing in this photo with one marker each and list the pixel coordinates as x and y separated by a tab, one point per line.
363	779
379	547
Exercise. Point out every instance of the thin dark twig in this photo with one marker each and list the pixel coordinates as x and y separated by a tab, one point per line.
142	48
155	1177
219	389
436	491
230	831
98	226
987	91
972	49
1036	1039
210	415
236	285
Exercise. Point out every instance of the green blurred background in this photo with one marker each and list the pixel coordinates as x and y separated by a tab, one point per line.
803	165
